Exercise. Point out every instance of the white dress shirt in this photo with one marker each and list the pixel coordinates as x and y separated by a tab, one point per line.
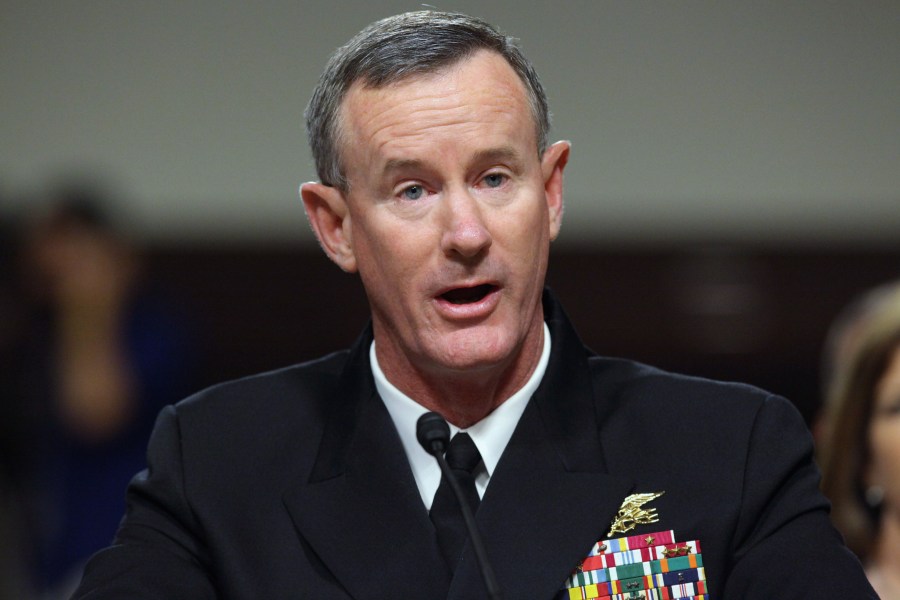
491	434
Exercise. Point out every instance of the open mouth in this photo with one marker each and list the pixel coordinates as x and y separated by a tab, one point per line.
468	295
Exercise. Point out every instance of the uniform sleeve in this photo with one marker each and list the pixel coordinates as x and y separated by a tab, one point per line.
158	551
785	545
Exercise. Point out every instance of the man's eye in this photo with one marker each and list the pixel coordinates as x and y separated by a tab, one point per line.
494	180
413	192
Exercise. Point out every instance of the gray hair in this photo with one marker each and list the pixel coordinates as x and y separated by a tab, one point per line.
400	47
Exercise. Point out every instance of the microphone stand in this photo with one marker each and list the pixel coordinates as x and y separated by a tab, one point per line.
435	443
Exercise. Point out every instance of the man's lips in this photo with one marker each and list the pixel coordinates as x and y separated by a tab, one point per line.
468	295
467	302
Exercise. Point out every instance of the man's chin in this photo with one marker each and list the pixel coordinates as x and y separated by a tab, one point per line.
473	352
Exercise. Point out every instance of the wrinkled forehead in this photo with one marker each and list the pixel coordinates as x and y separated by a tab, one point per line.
479	96
479	86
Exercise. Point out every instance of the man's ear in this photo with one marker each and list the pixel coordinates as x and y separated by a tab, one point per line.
552	164
329	216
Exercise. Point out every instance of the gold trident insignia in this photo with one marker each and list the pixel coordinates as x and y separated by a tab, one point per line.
631	514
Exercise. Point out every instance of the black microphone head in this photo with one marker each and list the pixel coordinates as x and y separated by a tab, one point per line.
433	432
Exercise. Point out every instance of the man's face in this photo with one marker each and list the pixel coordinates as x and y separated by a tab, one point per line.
449	217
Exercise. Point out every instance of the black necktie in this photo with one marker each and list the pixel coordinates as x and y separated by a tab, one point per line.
462	457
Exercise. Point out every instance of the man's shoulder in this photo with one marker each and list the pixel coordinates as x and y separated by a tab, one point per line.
255	420
633	385
297	391
686	424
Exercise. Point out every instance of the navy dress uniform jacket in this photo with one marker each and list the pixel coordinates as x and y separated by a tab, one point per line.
294	484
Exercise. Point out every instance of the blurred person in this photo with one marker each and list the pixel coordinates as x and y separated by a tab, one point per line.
104	353
439	186
859	442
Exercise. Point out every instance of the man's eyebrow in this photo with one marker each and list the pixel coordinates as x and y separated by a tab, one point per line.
504	154
400	164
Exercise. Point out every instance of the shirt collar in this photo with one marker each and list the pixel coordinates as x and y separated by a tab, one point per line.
491	434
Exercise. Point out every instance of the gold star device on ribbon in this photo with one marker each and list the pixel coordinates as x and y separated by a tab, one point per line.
631	514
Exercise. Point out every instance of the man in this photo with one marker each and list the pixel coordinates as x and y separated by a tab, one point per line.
438	186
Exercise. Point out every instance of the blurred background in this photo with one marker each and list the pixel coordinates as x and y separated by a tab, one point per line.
734	183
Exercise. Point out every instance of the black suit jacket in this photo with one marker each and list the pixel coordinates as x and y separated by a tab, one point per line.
294	484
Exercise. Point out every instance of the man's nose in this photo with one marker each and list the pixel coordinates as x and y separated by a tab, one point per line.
465	231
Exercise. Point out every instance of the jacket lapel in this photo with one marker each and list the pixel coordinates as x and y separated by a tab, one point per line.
361	511
550	497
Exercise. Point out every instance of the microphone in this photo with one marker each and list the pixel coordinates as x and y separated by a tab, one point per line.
433	434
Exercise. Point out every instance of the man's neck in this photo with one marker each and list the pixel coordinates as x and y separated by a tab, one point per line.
465	397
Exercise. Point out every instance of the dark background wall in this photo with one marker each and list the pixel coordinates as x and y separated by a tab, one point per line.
757	314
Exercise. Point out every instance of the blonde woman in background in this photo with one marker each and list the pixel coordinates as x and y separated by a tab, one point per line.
860	442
